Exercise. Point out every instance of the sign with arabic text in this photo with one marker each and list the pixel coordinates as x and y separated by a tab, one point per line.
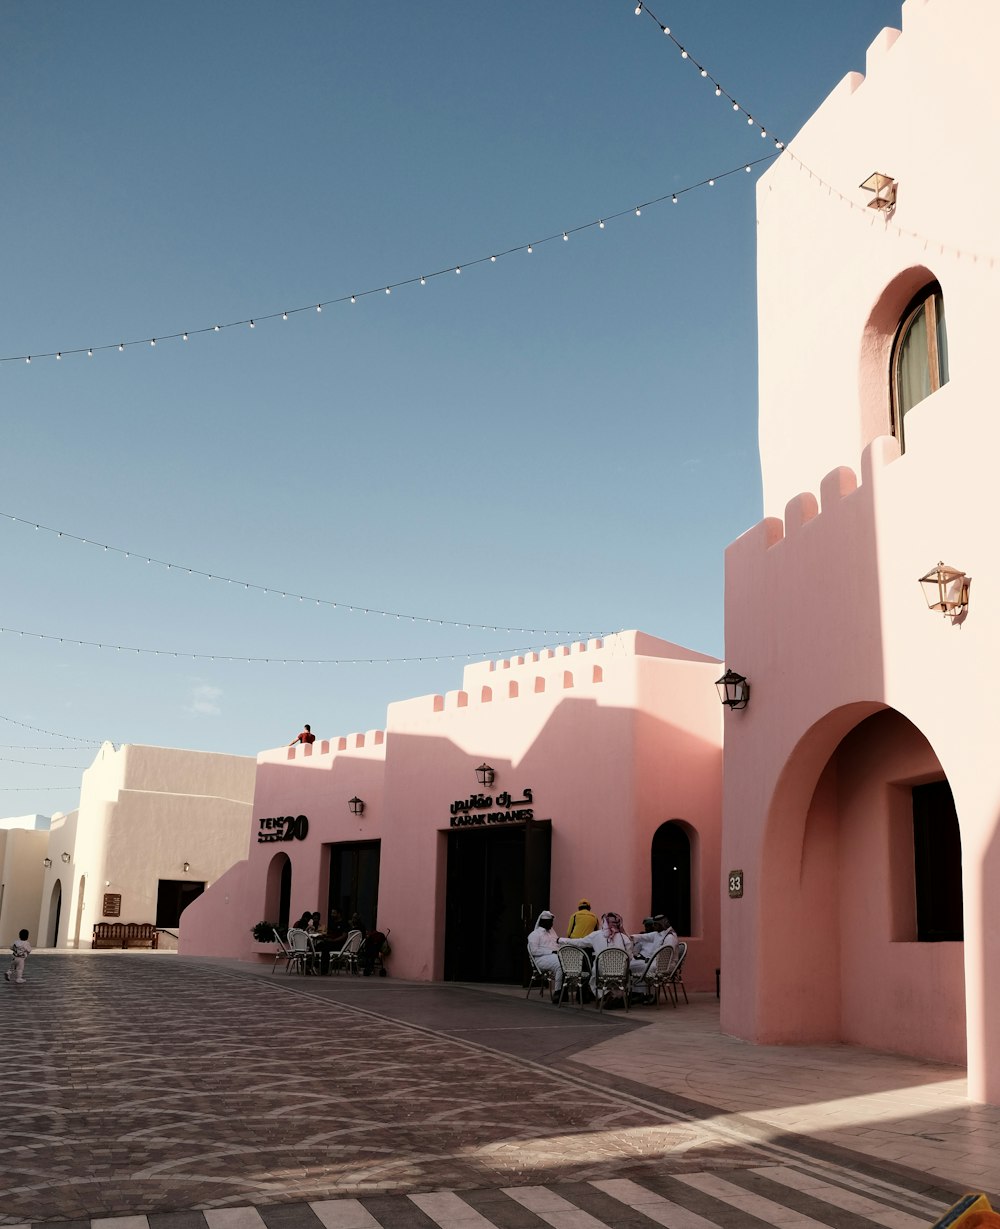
282	828
479	809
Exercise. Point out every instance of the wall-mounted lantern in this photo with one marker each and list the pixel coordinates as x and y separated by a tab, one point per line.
734	690
485	774
883	188
946	590
46	862
357	806
187	867
64	856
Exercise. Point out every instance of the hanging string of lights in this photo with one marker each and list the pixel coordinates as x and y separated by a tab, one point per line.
33	789
41	764
91	742
422	279
351	607
873	218
720	91
478	655
39	747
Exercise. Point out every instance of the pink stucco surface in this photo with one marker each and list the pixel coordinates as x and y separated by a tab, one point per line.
614	738
858	691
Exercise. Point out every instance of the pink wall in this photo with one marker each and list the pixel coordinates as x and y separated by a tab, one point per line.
614	738
823	611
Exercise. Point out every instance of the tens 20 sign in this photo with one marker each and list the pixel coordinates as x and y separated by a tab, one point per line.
282	828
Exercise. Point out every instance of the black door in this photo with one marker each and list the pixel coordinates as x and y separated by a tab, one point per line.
494	876
354	869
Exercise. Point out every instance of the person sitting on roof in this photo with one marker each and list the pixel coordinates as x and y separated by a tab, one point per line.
307	736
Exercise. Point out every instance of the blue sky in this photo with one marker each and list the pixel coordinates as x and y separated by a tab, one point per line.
564	440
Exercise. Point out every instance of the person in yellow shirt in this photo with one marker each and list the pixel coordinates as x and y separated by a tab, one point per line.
583	922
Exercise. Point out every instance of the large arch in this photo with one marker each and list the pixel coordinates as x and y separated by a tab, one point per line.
840	954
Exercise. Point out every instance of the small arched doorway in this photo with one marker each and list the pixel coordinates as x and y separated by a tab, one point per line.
278	890
55	912
670	874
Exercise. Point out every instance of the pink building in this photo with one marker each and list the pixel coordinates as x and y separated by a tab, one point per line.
861	782
604	780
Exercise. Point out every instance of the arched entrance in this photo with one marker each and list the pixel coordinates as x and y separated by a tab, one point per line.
278	890
55	912
860	889
670	874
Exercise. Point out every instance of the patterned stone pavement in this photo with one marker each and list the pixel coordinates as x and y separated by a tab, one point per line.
140	1086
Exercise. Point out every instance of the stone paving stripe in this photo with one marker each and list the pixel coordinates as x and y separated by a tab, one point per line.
449	1211
19	1227
649	1203
176	1220
290	1216
850	1201
501	1210
553	1209
808	1205
344	1214
391	1212
767	1210
119	1222
234	1218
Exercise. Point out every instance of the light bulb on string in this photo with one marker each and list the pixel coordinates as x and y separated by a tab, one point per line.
184	337
152	341
284	315
704	72
684	54
423	281
90	354
638	10
638	211
58	354
388	290
216	327
665	29
253	324
600	224
458	268
565	237
530	250
354	298
711	183
718	91
319	307
674	199
121	347
493	260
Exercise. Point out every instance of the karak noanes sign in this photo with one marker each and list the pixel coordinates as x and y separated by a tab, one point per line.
477	809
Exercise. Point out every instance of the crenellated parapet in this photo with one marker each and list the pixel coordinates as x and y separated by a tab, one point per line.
837	490
325	750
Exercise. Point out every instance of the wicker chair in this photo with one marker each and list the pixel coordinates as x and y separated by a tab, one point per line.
658	972
676	978
575	973
302	954
539	977
347	956
611	975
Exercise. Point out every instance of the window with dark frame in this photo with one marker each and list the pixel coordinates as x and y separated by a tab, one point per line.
937	864
919	363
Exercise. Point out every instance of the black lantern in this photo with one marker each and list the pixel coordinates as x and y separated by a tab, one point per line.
734	690
485	774
946	590
356	805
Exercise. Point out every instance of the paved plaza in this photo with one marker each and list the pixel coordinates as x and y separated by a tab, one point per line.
149	1091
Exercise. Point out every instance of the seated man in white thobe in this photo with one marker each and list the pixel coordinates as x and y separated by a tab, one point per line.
657	934
543	947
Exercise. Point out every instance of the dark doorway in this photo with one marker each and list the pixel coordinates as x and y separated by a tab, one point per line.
937	864
497	884
172	897
671	875
354	870
285	894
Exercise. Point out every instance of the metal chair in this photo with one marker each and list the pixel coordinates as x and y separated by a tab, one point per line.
676	978
611	975
347	956
302	954
575	973
540	977
282	953
656	977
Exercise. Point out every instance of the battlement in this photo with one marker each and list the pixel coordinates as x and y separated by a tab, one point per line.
372	741
836	491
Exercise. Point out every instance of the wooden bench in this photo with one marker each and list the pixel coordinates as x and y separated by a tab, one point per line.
125	934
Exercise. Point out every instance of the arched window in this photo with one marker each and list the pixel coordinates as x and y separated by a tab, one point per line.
919	355
670	867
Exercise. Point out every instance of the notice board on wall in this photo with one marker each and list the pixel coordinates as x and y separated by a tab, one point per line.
112	904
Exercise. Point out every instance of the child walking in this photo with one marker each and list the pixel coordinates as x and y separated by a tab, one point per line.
21	950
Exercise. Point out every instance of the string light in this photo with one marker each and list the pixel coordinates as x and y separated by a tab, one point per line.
319	601
476	655
93	742
704	72
44	764
422	279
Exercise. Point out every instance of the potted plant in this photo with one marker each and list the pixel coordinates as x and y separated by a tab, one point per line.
263	932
